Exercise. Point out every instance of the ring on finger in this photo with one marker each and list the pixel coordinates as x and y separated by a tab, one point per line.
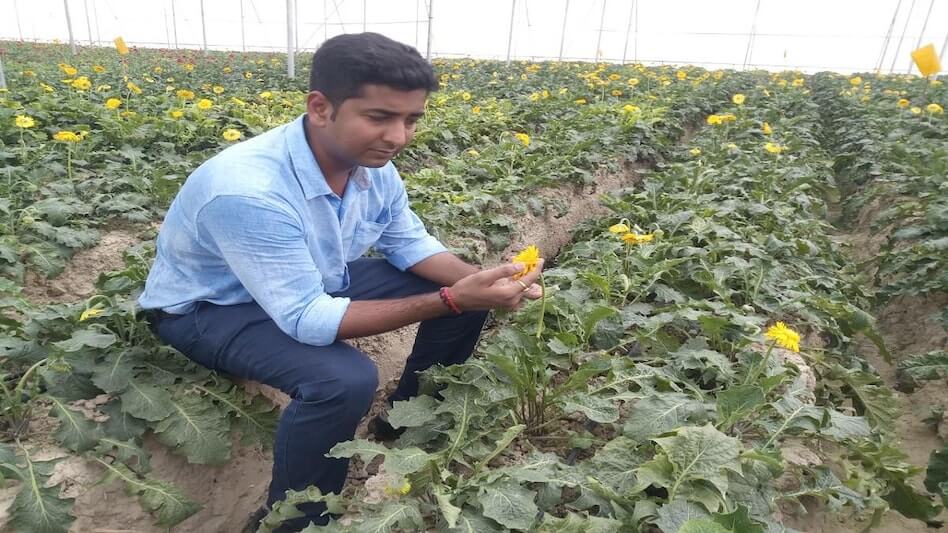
522	284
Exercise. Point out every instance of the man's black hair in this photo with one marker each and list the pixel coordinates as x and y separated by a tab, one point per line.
343	64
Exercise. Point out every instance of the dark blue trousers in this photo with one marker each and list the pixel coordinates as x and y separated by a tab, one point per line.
331	387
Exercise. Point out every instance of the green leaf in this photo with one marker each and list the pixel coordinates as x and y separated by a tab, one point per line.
576	523
393	516
595	408
121	425
86	338
415	412
739	520
115	371
449	511
906	500
615	464
509	504
169	505
197	429
253	417
660	413
127	452
703	525
75	431
398	461
737	402
842	427
929	366
674	515
937	471
36	507
702	453
147	402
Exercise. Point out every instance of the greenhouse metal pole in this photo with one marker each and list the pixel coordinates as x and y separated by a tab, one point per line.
888	37
563	31
602	20
16	13
417	23
363	15
290	40
628	30
750	38
95	15
243	37
203	27
296	25
895	55
430	32
85	4
3	78
72	41
944	46
513	12
921	34
174	25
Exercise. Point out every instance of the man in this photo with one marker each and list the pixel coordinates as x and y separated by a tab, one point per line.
258	272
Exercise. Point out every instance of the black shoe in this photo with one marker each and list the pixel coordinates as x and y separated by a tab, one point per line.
253	522
382	430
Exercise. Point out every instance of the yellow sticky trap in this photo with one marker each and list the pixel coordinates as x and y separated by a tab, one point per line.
926	60
123	49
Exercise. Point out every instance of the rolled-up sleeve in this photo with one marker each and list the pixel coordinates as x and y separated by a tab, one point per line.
405	241
263	244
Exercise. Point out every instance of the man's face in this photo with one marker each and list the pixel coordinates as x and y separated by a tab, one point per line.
369	130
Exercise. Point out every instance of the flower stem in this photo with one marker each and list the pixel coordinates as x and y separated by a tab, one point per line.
542	306
760	367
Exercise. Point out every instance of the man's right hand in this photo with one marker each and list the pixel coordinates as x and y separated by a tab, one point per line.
494	288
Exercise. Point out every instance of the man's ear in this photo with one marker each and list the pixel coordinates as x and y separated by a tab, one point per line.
319	110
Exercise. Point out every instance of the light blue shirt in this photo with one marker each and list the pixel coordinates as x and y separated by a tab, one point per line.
258	222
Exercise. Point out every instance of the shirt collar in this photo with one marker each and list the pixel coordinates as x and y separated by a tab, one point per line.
306	168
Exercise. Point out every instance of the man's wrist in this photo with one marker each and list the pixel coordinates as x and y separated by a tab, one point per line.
448	299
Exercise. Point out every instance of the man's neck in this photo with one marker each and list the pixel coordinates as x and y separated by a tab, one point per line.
335	172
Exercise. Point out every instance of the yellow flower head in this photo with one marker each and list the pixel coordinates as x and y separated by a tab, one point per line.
113	103
635	238
580	101
90	313
266	95
68	69
632	82
29	73
472	152
619	228
157	70
798	82
765	127
188	67
24	121
773	148
855	80
630	108
465	96
681	75
476	109
615	77
934	109
695	152
784	336
529	258
916	110
176	113
738	99
523	138
67	136
205	104
218	89
727	117
238	101
185	94
98	69
731	146
714	120
402	490
902	102
82	83
134	88
230	134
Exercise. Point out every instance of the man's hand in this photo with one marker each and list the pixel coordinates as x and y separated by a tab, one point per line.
496	289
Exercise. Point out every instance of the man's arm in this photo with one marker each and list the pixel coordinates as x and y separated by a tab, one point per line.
443	268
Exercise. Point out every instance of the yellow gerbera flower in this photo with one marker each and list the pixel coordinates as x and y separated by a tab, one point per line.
82	83
218	89
738	99
934	109
635	238
465	96
113	103
205	104
773	148
902	102
916	110
134	88
580	101
766	129
188	67
854	81
619	228
695	152
529	258
24	121
185	94
784	336
230	134
266	95
630	108
476	109
523	138
67	136
98	69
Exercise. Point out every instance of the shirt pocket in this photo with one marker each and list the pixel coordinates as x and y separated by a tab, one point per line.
367	233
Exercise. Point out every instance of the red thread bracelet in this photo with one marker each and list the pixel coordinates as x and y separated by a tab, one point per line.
448	300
